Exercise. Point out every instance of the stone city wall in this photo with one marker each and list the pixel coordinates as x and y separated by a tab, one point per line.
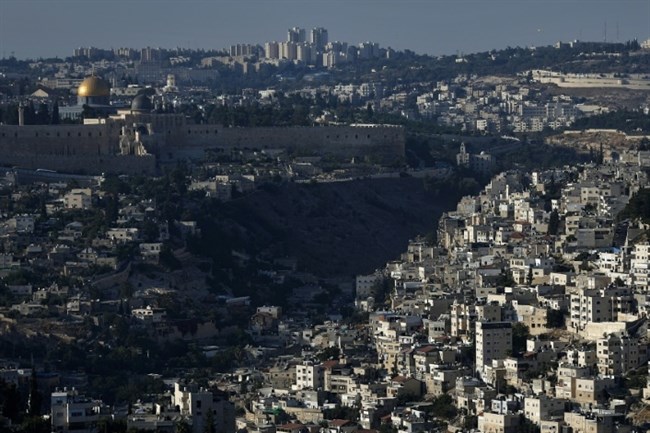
59	140
384	142
95	148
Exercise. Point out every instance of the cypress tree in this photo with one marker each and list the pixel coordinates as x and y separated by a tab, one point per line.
55	119
35	398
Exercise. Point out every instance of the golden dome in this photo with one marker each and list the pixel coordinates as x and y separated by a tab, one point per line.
94	86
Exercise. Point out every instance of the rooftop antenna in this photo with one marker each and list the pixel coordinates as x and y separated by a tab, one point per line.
605	31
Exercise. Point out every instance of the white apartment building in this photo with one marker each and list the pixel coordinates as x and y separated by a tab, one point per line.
78	198
533	317
72	412
309	376
640	265
599	305
463	317
196	403
617	354
610	263
584	357
498	423
541	408
150	314
590	194
122	235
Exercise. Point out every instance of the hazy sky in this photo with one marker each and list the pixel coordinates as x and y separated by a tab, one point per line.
40	28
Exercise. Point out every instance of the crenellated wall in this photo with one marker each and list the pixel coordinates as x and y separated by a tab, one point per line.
95	148
60	140
383	142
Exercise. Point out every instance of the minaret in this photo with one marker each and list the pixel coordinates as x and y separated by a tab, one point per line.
21	114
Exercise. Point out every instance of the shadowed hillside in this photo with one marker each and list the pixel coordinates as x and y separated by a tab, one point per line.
335	228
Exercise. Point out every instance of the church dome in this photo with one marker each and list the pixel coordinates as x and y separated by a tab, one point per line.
94	86
141	103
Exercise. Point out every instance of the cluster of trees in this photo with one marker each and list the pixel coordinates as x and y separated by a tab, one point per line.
638	207
284	110
508	61
622	120
288	112
23	407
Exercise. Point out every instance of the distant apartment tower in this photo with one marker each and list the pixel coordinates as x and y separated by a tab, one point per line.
318	37
149	54
289	50
331	59
88	52
368	50
125	52
243	50
272	50
296	35
304	54
493	341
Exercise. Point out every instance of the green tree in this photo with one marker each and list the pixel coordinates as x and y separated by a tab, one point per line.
638	206
470	423
43	115
553	222
183	427
520	334
55	119
387	427
30	114
555	318
329	353
35	397
34	424
10	400
443	407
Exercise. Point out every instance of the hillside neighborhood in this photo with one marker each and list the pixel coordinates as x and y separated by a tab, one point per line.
528	314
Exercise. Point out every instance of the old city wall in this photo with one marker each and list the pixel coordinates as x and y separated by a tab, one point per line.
95	148
383	142
59	140
72	148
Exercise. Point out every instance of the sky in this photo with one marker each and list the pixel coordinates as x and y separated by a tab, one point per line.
47	28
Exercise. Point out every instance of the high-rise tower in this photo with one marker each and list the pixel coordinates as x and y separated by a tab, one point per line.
296	34
318	37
